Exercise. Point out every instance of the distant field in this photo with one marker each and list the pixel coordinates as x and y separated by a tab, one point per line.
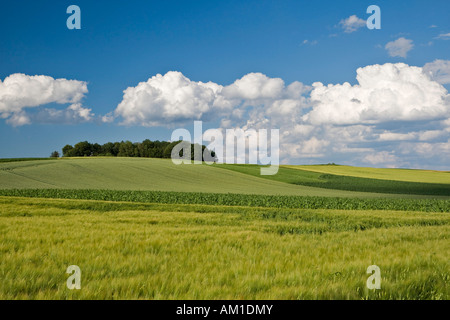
150	174
165	251
295	175
412	175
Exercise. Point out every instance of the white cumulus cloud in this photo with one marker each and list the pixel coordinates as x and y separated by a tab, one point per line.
438	70
384	157
172	98
392	114
352	23
167	99
389	92
254	86
19	92
399	47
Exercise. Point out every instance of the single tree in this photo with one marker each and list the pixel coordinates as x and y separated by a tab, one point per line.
67	151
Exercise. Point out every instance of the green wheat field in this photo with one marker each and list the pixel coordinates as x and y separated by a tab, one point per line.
148	229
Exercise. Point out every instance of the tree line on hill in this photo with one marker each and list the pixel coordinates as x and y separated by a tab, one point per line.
144	149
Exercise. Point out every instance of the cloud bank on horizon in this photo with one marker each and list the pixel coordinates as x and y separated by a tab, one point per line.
394	114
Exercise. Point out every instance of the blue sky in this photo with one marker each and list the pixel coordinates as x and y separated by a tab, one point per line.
121	44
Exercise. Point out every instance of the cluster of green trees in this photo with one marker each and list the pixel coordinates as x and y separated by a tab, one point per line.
144	149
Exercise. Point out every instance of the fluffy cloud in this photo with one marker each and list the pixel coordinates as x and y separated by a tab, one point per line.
19	92
384	157
438	70
435	152
254	86
352	23
174	99
351	124
389	118
259	98
389	92
399	47
171	98
394	115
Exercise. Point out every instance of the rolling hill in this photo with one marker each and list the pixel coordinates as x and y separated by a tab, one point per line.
159	175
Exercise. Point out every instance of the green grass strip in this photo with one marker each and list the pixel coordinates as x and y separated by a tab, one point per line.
277	201
23	159
348	183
